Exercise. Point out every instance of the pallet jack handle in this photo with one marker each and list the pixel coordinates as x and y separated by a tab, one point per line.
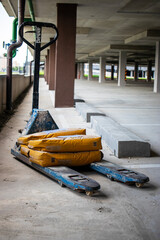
37	49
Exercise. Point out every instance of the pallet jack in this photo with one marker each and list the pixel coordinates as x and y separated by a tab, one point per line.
41	120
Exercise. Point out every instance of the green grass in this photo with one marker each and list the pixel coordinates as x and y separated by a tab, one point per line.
41	73
96	76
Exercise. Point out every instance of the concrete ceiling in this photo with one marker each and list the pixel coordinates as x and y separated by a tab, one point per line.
104	27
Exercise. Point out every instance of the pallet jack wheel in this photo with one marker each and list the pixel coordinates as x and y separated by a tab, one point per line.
139	185
89	193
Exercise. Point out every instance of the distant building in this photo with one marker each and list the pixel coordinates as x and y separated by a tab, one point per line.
3	63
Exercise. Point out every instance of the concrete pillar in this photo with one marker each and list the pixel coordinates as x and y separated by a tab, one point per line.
78	71
48	71
112	72
149	71
117	70
132	73
136	71
89	70
122	67
52	67
47	67
45	70
102	66
143	74
65	55
157	68
82	71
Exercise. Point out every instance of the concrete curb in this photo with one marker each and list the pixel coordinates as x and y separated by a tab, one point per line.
87	111
119	139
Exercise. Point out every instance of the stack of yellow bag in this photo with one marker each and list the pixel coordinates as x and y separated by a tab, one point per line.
67	147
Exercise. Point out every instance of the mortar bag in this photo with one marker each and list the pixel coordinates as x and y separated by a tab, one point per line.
46	159
24	150
78	143
49	134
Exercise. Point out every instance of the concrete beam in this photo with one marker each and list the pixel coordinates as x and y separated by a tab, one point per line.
97	52
130	47
136	37
120	47
85	56
146	34
83	30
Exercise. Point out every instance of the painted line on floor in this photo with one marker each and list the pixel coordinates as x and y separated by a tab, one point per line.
154	165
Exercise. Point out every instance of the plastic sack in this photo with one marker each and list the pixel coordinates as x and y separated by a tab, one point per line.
46	159
80	143
49	134
24	150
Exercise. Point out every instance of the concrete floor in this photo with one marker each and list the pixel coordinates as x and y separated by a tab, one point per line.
35	207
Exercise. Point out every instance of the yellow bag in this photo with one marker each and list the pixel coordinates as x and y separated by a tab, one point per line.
49	134
24	150
46	159
76	143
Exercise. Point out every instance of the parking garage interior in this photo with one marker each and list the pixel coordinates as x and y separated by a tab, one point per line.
102	74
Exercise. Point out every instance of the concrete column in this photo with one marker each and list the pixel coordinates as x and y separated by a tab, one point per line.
143	74
48	74
89	70
132	73
112	72
157	68
78	71
122	67
149	71
52	67
102	70
136	71
117	70
83	77
82	71
65	55
47	67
